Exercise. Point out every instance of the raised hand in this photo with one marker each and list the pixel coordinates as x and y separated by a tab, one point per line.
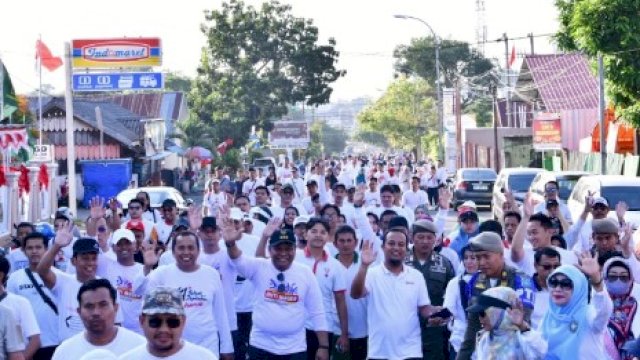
588	204
97	209
621	210
149	254
229	231
274	224
589	266
527	206
358	197
194	215
516	313
368	255
625	240
64	235
444	198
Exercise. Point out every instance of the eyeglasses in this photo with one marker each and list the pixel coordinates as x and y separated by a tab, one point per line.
566	284
623	278
551	190
281	287
156	322
548	267
102	229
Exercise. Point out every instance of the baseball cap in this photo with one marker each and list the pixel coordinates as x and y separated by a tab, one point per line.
600	200
85	246
398	222
208	222
163	300
605	226
252	168
487	241
424	226
122	234
467	206
235	214
135	225
282	236
287	187
468	215
484	301
64	213
302	219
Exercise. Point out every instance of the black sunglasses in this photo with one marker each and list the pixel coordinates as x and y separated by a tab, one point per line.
102	229
566	284
156	322
623	278
548	267
281	287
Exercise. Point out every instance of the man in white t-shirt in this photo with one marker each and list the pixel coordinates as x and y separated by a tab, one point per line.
298	185
136	218
414	196
170	219
201	289
121	270
34	246
97	308
22	312
551	189
163	320
214	199
287	294
372	195
250	185
396	295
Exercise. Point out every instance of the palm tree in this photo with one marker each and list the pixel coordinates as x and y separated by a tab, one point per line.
193	132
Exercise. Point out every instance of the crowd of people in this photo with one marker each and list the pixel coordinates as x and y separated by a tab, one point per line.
343	258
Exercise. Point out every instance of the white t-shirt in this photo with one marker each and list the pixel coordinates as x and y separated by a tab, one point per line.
356	308
188	352
244	292
411	199
20	284
279	317
23	313
221	262
540	307
564	210
18	260
393	300
77	345
527	263
372	199
164	230
122	278
249	189
213	202
331	278
203	301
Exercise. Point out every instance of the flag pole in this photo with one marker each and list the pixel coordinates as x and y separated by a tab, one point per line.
71	149
40	95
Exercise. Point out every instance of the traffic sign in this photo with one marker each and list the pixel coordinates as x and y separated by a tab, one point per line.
117	81
42	153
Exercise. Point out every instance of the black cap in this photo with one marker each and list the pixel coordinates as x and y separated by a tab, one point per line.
282	236
85	246
336	185
209	222
484	301
169	203
182	224
251	168
398	221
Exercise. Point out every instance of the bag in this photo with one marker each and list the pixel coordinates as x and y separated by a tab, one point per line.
47	300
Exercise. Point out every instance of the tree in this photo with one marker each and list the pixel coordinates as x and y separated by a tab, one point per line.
255	63
403	113
176	81
193	132
372	137
325	138
610	28
482	108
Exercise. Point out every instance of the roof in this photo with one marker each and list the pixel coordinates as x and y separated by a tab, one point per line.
559	81
113	118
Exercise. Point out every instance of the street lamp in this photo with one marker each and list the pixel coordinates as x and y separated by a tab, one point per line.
438	94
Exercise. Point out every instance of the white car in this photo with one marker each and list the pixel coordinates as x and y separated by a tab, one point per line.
518	180
614	188
157	194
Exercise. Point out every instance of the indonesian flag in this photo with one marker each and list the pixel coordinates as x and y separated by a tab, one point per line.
223	146
512	58
46	58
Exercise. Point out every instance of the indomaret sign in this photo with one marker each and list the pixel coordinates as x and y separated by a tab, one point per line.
547	132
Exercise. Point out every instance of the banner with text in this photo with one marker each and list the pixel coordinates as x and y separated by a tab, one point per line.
289	134
547	132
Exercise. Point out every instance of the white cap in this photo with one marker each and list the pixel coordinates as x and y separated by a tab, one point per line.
468	204
122	234
600	200
302	219
235	214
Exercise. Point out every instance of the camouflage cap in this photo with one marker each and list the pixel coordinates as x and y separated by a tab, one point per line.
163	300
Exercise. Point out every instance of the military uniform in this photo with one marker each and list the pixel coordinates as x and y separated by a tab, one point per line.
437	272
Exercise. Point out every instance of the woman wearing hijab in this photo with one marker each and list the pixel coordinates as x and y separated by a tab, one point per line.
624	324
573	326
505	335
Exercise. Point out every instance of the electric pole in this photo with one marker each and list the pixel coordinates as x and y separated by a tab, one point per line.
508	67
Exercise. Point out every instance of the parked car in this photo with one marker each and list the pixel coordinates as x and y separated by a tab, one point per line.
518	180
475	184
566	181
157	194
614	188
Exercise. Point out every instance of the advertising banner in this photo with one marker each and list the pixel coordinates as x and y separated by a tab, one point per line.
116	53
547	132
289	134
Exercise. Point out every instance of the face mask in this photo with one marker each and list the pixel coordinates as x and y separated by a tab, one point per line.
617	288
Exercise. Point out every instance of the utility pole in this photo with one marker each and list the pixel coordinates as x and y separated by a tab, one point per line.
602	112
458	113
508	67
69	130
496	152
530	35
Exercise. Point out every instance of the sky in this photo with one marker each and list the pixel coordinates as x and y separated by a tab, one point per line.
365	30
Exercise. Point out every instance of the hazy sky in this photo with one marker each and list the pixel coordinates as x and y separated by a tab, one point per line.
366	31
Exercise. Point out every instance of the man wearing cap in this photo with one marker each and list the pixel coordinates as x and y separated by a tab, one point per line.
170	218
312	189
468	227
97	308
214	199
437	270
65	286
551	189
122	272
163	321
287	295
250	185
492	272
599	210
204	301
396	297
136	221
607	240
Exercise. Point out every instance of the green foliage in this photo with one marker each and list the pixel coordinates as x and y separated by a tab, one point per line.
482	108
255	63
404	114
193	132
231	159
372	137
610	28
457	59
325	139
175	81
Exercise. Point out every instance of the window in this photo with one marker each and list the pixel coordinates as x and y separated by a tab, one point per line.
479	174
615	194
520	182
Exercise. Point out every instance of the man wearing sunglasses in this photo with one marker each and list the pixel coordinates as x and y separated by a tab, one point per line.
135	211
551	190
547	259
163	320
169	220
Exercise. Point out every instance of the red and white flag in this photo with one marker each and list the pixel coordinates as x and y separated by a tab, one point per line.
512	58
47	59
